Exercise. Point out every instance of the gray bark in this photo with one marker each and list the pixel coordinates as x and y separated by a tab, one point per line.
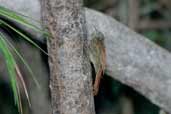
134	60
70	76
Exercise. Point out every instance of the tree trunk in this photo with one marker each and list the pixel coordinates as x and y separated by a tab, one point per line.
70	77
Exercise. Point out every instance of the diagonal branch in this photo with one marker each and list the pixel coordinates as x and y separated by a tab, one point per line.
134	60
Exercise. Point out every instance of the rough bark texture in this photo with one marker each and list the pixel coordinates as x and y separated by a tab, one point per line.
70	76
134	60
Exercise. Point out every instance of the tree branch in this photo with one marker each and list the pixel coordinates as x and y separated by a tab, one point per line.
131	58
134	60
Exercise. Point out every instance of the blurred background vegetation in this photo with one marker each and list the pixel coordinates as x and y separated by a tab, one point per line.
151	18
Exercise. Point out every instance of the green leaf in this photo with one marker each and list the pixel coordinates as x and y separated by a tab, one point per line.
24	62
12	67
23	36
10	62
19	18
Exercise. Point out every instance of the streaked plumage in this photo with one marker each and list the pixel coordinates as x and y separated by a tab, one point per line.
97	56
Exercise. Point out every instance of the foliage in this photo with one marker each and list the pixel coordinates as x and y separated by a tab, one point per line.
6	47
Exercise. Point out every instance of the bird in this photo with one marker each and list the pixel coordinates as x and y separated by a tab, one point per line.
97	55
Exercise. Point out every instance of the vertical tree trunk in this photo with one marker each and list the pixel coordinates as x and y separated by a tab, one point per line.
70	80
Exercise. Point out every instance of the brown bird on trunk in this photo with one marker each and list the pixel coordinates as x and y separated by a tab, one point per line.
97	55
